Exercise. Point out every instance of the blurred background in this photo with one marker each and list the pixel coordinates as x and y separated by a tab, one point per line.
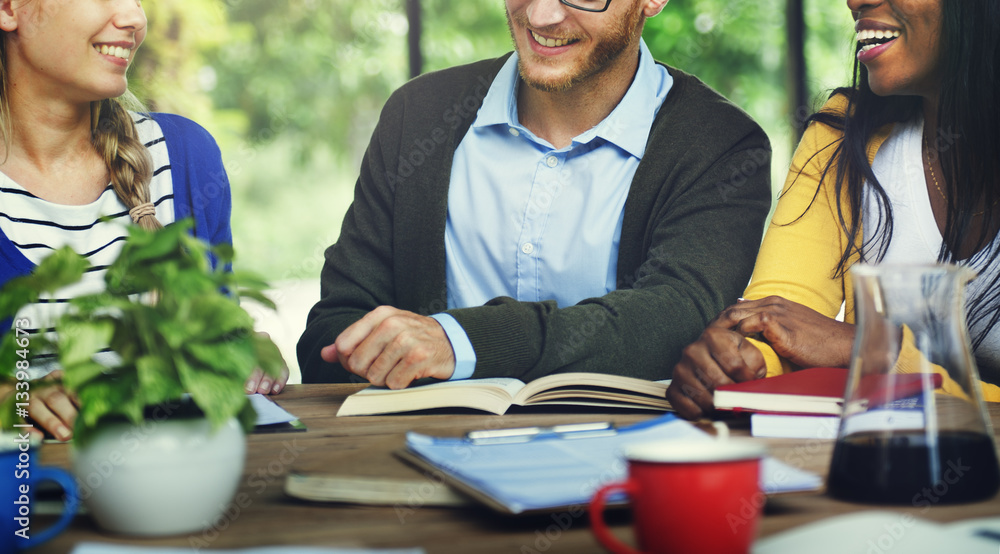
292	89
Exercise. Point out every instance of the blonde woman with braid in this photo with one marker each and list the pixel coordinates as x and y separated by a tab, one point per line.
79	162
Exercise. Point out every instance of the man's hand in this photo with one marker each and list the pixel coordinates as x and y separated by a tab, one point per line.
52	408
392	348
799	334
720	356
258	382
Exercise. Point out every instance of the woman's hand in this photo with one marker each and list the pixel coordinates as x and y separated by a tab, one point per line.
54	409
801	335
258	382
720	356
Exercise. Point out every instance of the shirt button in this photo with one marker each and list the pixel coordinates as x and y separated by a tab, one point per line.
551	161
527	248
514	131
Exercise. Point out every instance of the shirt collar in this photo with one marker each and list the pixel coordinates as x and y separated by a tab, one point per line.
627	126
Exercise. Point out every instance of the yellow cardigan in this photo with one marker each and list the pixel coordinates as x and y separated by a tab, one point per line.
804	242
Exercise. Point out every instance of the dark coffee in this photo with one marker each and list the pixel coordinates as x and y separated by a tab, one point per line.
904	468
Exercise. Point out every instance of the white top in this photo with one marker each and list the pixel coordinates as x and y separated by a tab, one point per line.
915	235
38	227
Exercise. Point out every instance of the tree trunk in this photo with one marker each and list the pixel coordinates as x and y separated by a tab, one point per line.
413	37
798	86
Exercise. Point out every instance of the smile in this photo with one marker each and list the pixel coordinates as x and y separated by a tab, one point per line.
869	39
116	51
551	42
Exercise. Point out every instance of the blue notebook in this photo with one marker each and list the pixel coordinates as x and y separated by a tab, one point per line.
562	471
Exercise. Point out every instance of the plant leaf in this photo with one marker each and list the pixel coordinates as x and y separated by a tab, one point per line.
256	295
218	395
77	376
80	339
233	357
158	380
220	316
269	358
105	396
247	417
61	268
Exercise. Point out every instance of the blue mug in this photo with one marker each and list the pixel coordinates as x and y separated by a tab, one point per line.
20	475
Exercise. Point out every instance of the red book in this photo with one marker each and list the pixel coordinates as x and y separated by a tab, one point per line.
818	390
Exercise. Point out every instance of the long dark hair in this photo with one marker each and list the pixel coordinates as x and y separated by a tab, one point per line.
968	144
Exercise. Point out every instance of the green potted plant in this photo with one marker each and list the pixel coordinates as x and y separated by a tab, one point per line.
159	441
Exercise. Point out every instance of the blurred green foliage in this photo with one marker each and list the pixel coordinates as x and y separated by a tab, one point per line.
292	89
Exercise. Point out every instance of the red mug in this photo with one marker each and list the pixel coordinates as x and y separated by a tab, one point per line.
688	496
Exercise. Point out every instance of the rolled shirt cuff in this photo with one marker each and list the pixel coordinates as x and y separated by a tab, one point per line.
465	355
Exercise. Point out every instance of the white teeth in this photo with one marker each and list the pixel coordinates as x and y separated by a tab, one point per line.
550	42
869	34
116	51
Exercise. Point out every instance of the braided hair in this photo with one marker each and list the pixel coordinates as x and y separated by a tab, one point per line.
115	137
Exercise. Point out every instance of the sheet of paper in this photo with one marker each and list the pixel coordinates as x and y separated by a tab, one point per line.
269	413
898	415
783	426
878	531
552	472
107	548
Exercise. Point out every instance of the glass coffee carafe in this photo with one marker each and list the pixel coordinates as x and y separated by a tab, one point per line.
914	429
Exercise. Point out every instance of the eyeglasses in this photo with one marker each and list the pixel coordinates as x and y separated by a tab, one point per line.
588	5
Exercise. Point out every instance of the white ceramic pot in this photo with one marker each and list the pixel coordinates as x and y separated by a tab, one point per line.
164	477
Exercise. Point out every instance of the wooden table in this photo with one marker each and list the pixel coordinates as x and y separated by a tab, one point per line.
363	446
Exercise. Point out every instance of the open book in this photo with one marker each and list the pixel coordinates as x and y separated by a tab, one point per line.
497	395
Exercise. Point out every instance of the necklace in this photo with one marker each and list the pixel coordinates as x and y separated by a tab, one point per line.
930	168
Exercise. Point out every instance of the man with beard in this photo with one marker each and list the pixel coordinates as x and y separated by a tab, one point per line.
572	206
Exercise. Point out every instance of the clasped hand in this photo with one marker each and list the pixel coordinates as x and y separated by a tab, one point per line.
723	355
392	348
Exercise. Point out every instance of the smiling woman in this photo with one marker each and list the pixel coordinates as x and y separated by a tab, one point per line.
900	46
901	167
78	166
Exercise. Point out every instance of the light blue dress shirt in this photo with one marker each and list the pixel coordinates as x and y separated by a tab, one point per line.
532	222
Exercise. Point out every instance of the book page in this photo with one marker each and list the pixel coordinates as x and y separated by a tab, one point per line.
599	397
490	395
377	491
588	385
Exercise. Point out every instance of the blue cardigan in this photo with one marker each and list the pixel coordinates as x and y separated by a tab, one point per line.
201	190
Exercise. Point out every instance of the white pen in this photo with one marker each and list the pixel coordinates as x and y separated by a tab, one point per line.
524	434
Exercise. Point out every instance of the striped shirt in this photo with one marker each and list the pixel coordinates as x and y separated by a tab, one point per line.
38	227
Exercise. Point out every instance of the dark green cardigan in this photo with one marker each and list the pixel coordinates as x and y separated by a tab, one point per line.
693	222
